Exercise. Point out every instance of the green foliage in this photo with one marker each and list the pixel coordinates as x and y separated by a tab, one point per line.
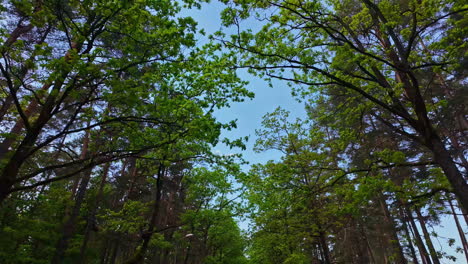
108	124
129	219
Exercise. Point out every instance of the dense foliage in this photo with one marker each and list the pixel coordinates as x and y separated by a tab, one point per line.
107	111
107	125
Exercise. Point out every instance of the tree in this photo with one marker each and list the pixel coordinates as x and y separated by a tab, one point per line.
378	54
105	106
99	66
331	201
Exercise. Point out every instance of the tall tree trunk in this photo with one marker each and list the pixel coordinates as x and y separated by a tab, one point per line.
115	251
427	237
460	229
370	258
392	233
187	253
133	172
464	212
92	215
139	255
422	124
408	236
105	251
70	223
70	218
417	237
456	179
83	155
20	75
324	246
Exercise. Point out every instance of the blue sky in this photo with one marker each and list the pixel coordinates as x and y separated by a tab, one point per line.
249	115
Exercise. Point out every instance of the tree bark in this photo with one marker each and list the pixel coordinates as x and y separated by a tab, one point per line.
422	124
456	179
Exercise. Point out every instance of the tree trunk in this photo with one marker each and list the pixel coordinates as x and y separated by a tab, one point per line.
370	258
392	233
464	212
456	179
139	255
427	237
133	169
422	124
324	246
71	221
408	236
92	215
105	251
70	218
417	237
115	251
460	230
13	89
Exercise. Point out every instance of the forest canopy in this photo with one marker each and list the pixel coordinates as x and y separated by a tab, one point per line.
108	125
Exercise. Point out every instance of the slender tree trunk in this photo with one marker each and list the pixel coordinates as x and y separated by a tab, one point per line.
14	36
83	155
115	251
139	256
70	223
370	258
464	212
408	235
187	253
324	246
13	88
417	237
70	218
92	215
20	29
460	229
393	236
427	237
105	251
133	169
